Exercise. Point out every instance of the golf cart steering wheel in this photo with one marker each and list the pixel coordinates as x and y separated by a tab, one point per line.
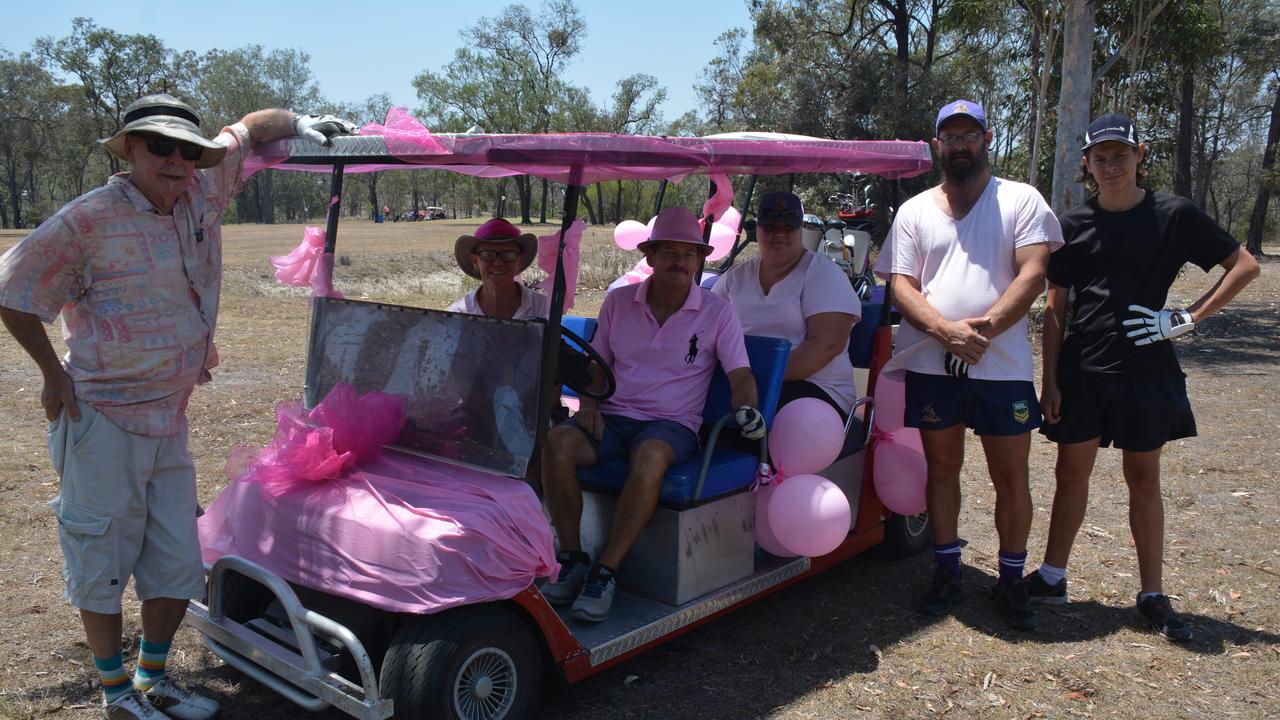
574	368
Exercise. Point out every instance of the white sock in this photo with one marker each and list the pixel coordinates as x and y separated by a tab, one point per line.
1052	575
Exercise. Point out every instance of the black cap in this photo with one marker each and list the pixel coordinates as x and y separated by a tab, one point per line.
1110	127
780	208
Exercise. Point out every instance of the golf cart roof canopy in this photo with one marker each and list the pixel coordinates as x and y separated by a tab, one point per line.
585	158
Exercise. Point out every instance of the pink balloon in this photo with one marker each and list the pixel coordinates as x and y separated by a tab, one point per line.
809	515
764	535
806	437
628	234
891	403
722	239
901	473
730	219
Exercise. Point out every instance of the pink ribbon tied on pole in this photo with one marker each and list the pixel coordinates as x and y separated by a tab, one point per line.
547	246
309	264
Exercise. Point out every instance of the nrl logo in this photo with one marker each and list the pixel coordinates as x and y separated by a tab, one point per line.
1020	412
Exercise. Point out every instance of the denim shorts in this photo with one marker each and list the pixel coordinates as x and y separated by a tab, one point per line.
623	434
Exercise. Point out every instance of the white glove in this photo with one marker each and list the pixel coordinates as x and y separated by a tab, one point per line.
954	366
319	128
1156	325
750	421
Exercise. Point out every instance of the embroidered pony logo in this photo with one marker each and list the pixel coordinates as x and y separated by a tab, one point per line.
693	350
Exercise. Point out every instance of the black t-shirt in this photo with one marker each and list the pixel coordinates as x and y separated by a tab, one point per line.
1116	259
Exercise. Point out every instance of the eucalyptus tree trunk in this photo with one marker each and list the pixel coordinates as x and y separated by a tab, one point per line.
1073	102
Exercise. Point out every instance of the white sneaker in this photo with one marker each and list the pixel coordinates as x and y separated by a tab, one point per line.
568	583
180	703
132	706
596	598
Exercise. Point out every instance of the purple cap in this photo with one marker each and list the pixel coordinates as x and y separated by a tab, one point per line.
780	208
968	108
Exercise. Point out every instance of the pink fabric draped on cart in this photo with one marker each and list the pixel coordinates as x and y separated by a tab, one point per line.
547	247
308	265
321	507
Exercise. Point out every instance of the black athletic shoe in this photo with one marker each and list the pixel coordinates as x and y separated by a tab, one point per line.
1042	592
946	592
1015	605
1158	612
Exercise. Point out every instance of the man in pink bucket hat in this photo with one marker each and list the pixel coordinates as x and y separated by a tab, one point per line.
662	338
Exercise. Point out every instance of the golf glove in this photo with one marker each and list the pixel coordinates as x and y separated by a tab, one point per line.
1155	325
750	421
320	128
954	366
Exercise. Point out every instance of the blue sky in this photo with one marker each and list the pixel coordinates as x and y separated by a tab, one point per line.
357	52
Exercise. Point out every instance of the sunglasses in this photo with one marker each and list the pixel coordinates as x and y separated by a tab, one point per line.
491	255
163	147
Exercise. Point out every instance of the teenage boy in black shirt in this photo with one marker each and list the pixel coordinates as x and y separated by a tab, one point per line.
1114	378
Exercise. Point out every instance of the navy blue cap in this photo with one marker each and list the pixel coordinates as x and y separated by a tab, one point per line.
780	208
1110	127
967	108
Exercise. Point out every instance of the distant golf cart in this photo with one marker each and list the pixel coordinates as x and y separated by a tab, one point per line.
339	644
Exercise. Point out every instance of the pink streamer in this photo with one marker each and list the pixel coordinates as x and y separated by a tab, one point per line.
309	264
722	199
324	444
547	247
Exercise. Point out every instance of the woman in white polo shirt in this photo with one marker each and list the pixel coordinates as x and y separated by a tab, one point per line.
792	293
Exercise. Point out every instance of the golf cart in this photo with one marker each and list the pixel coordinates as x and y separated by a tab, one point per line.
301	594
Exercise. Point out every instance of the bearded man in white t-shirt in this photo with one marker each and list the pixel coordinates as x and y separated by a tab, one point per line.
965	260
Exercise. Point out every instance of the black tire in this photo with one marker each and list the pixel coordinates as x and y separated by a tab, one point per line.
244	599
906	535
472	663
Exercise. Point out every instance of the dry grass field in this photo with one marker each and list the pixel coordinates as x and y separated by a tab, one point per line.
845	644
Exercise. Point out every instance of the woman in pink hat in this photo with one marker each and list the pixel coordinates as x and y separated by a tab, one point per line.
496	255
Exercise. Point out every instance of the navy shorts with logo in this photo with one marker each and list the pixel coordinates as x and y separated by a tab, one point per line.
623	434
1131	412
990	407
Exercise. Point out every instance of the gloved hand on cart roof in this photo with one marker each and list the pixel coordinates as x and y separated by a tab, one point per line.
320	129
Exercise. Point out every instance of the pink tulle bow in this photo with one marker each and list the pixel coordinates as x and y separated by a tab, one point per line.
406	138
327	442
308	264
547	246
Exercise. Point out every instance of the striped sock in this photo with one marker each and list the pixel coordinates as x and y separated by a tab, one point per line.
115	681
1011	564
151	659
947	555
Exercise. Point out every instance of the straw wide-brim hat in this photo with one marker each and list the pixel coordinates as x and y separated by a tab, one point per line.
496	230
168	116
676	224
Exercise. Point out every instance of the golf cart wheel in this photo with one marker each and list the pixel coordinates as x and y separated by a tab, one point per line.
906	535
244	599
471	663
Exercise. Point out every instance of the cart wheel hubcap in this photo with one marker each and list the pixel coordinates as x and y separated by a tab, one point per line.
486	685
917	524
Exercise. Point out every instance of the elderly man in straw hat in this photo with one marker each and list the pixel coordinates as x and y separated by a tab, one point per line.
662	338
134	269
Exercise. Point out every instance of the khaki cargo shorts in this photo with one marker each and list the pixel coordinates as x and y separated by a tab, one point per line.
127	508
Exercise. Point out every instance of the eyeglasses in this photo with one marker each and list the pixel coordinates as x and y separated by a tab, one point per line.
163	147
491	255
968	138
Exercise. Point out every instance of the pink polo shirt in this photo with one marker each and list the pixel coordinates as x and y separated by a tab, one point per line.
137	290
663	372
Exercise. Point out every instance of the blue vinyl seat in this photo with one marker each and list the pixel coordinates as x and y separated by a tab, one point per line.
585	328
727	470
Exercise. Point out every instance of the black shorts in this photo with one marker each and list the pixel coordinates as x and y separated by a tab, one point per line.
1138	413
796	389
990	407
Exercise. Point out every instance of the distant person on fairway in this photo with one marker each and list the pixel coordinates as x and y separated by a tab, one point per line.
1110	374
134	268
966	259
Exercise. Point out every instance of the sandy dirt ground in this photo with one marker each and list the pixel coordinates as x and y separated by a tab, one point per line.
844	644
